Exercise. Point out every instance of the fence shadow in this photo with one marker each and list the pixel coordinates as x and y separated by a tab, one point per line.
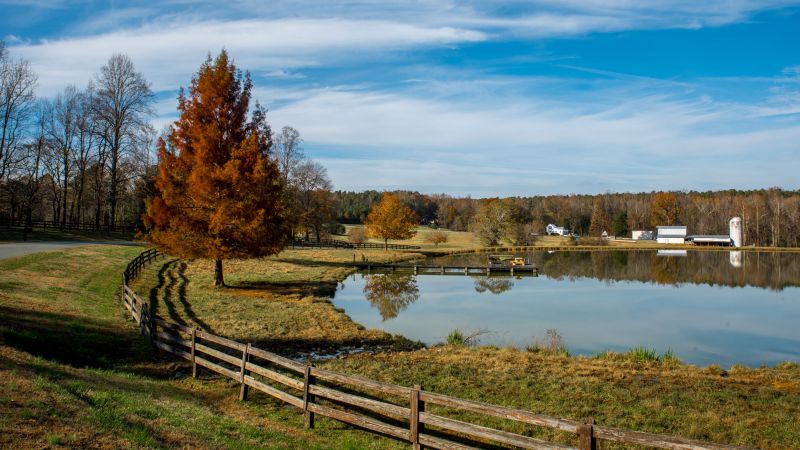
69	341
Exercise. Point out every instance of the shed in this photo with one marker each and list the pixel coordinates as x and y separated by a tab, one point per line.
674	234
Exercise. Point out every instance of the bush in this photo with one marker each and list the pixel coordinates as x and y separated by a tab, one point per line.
436	237
337	229
358	235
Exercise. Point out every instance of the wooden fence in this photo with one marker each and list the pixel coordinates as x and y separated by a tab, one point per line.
45	224
336	243
391	410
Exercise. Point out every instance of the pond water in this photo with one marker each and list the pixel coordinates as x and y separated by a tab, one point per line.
708	307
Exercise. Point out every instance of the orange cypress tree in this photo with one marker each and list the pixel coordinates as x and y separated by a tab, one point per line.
390	219
219	192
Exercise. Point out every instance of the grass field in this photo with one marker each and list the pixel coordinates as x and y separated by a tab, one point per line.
75	373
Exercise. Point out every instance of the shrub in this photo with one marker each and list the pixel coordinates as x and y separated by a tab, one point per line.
436	237
358	235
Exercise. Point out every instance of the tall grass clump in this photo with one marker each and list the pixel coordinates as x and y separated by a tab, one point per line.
460	338
456	337
552	343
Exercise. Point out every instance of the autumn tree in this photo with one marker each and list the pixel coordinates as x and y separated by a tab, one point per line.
665	209
495	221
601	216
436	237
390	219
218	191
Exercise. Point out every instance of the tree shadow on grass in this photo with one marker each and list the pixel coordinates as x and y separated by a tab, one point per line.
172	283
294	347
293	288
79	342
309	263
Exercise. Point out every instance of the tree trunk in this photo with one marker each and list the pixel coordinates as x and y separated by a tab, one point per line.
386	244
219	281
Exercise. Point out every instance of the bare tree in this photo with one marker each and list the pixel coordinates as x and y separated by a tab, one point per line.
84	151
31	168
62	133
313	193
288	152
122	106
17	84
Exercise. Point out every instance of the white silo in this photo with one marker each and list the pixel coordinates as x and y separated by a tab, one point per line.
736	231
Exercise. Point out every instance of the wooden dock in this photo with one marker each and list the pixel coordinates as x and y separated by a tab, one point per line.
427	269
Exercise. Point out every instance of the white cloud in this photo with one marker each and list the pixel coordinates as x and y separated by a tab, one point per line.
418	141
168	53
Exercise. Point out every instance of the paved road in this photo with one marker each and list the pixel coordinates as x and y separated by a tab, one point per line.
13	249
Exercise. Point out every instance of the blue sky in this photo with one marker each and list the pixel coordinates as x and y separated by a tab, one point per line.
478	98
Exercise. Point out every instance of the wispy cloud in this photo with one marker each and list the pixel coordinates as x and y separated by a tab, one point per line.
168	52
590	143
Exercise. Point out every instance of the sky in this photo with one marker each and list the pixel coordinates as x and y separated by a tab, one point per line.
494	98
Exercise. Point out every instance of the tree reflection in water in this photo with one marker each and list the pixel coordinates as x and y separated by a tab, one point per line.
391	293
495	285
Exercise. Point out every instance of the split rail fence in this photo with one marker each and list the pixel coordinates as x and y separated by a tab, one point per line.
391	410
45	224
337	243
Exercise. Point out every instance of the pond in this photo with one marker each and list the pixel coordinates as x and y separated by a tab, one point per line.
707	307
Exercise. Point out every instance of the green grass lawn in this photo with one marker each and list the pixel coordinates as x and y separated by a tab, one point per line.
74	373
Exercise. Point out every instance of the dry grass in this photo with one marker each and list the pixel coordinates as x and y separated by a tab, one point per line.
280	303
74	373
751	407
456	240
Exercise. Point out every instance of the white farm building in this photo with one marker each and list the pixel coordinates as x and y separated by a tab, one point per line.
675	234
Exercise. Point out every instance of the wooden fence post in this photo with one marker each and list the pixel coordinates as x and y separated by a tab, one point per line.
308	380
194	363
244	372
586	435
415	428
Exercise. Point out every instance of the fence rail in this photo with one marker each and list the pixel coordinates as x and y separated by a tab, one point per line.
45	224
388	409
337	243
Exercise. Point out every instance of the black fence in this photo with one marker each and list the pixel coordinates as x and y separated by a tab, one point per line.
45	224
335	243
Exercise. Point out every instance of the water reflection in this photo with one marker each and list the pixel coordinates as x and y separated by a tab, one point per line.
495	285
391	293
775	271
708	307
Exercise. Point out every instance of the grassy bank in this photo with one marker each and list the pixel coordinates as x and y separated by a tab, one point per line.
74	373
282	304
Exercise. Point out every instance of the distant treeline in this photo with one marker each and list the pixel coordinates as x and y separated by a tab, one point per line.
771	217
